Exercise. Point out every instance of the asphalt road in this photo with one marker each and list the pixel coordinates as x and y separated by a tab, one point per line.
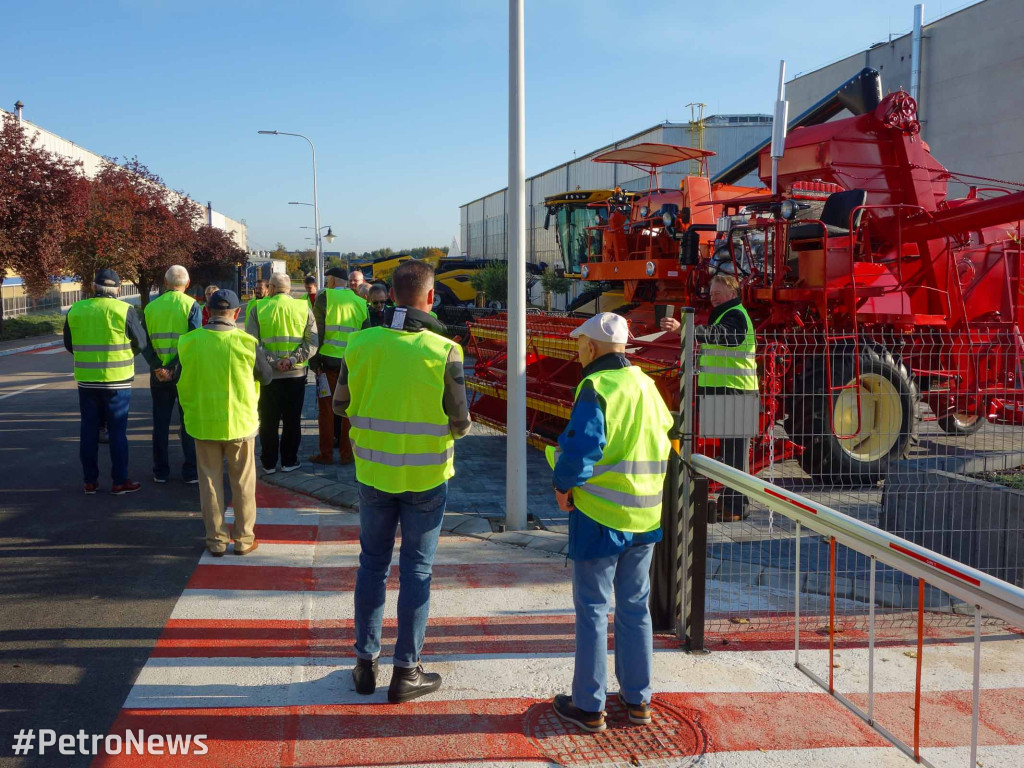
86	582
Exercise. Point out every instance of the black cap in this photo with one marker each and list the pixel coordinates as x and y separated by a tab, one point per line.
223	299
107	278
339	272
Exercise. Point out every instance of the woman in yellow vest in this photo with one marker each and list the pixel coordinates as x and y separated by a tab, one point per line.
727	365
404	449
104	334
609	472
221	371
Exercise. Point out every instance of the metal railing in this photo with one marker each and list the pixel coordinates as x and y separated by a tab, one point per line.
986	593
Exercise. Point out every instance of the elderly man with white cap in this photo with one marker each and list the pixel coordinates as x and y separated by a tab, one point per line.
609	472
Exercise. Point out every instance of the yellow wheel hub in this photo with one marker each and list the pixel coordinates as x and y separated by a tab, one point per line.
871	434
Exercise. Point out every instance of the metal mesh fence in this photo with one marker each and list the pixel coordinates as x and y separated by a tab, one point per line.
917	433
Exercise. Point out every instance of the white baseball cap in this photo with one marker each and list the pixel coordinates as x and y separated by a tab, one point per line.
606	326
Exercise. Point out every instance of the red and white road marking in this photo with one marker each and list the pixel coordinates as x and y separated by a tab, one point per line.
258	654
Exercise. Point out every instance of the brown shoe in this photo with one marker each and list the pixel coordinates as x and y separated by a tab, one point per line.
319	458
247	550
216	552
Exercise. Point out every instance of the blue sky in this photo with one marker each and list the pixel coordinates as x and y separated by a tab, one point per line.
406	101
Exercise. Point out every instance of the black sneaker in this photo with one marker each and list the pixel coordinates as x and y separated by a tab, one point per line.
639	714
408	683
591	722
365	675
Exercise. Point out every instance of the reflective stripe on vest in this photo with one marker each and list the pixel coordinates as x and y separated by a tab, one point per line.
101	349
217	391
402	438
346	312
732	367
282	324
166	320
625	490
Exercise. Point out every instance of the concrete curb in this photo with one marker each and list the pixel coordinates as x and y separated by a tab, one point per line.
32	348
345	496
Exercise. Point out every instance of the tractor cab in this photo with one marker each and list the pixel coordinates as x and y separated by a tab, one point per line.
579	218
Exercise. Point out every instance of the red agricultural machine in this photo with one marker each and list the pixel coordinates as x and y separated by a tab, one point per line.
869	288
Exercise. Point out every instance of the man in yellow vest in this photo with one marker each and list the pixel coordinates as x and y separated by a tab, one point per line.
609	472
339	313
727	365
104	334
402	386
222	368
168	317
286	329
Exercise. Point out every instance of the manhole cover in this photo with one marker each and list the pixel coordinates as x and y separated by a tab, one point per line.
672	739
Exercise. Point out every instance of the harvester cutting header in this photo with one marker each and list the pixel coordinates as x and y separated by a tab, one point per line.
858	249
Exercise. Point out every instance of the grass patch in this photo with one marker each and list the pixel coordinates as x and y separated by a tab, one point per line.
26	326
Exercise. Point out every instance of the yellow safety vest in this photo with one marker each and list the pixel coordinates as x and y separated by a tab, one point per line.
396	381
282	324
167	320
102	350
346	313
217	391
625	491
733	367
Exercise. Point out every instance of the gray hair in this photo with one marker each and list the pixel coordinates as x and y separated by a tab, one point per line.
105	290
281	283
210	290
176	277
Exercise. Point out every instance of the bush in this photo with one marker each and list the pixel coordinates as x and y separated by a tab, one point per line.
493	281
31	325
552	283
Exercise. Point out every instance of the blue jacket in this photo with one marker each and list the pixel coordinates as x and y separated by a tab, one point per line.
582	445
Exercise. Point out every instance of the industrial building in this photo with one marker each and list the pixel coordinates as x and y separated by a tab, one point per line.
967	86
483	220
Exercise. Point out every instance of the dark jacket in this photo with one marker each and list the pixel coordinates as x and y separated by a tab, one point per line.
731	329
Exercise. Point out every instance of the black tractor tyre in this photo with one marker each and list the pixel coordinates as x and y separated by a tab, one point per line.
824	457
445	296
958	425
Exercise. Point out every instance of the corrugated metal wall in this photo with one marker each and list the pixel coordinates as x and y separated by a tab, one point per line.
483	221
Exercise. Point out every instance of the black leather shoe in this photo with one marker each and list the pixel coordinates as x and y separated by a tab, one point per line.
365	675
408	683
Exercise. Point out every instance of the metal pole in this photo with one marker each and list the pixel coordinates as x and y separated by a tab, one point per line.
915	55
515	491
871	644
686	448
316	216
976	692
796	598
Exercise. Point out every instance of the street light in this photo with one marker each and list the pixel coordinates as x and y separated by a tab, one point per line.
330	237
316	208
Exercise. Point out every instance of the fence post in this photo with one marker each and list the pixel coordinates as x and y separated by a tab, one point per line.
697	565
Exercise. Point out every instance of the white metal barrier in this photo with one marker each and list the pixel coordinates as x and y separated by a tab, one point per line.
985	592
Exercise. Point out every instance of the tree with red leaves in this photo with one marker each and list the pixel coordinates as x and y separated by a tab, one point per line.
213	250
43	197
134	225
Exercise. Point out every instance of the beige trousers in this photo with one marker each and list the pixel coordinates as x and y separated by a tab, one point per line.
210	458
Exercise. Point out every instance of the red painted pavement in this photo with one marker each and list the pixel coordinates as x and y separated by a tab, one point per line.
271	533
492	730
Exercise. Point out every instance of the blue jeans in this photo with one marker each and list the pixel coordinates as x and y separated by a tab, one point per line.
379	515
109	406
628	573
164	397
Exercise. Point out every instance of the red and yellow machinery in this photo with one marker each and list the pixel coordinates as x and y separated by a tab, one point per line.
869	287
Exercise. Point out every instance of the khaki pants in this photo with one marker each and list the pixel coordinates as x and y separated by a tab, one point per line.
210	457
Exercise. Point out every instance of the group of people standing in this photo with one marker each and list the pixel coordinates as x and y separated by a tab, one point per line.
397	383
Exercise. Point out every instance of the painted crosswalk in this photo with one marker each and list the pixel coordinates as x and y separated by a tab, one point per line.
257	658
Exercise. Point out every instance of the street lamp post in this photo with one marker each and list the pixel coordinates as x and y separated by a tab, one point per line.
316	207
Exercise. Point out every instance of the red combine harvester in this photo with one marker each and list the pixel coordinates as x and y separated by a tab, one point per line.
868	287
